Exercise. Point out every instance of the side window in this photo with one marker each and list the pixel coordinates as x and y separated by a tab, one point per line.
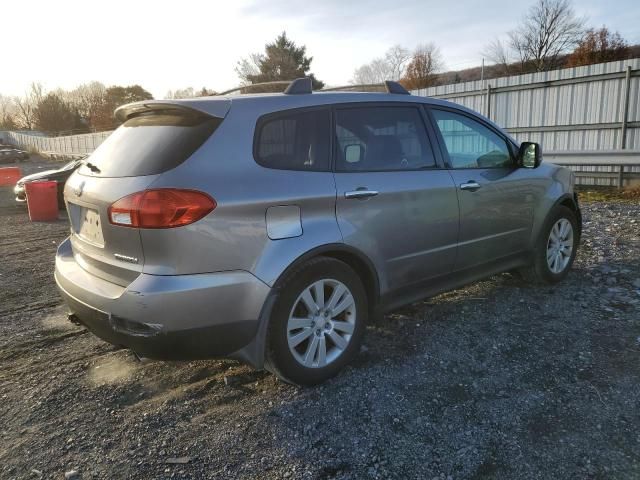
469	143
381	138
294	141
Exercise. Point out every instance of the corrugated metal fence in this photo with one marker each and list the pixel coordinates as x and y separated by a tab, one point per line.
590	109
594	107
72	145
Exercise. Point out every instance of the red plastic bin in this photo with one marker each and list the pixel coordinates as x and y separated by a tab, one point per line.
9	176
42	200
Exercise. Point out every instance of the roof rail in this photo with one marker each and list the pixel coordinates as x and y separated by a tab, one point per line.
387	86
304	85
361	87
293	87
252	86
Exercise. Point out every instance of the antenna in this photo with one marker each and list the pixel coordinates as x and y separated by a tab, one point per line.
395	87
299	86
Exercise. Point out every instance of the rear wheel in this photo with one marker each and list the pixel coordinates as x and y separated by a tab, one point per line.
317	323
61	204
555	248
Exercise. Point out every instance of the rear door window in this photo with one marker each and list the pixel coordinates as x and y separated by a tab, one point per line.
382	138
151	143
295	140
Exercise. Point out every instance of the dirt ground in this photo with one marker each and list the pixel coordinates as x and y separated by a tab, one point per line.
496	380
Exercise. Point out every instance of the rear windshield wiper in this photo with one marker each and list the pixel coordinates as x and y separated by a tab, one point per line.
91	167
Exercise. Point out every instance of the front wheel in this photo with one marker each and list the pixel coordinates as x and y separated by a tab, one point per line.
555	248
318	322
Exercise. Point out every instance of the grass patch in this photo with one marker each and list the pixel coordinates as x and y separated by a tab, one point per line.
588	193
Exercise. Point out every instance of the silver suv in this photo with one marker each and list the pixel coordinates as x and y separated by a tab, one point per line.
270	228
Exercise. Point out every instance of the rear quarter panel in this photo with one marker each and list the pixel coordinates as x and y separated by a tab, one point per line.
234	236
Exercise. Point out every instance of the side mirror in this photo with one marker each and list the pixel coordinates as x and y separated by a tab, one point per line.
530	155
353	153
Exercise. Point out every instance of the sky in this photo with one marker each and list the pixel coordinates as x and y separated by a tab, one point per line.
164	45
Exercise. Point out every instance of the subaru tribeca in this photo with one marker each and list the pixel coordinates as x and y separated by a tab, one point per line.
269	228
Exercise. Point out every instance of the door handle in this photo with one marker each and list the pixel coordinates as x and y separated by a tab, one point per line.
470	185
360	193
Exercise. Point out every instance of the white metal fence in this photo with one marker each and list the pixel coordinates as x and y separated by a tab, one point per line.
573	113
68	146
595	107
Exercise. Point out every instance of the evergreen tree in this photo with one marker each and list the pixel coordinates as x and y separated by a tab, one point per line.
282	60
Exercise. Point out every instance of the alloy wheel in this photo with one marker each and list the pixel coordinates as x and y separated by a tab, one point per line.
560	246
321	323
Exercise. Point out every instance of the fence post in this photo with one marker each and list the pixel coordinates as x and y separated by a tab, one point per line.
620	176
489	101
625	107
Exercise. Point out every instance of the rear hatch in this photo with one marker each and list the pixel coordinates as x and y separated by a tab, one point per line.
154	138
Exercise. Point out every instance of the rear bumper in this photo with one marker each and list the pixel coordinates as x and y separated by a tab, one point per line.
168	317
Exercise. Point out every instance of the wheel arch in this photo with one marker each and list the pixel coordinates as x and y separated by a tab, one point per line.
571	202
254	352
565	199
357	260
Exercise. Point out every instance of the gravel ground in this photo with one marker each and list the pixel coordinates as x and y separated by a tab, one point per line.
496	380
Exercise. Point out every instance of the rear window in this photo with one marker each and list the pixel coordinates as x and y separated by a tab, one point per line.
151	143
385	138
297	140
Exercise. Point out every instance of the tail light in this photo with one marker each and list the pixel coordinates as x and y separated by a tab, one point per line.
161	208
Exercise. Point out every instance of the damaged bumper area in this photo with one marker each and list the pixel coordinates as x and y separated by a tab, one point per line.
177	317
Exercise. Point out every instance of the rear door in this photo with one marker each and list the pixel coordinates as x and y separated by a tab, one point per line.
394	202
128	161
496	198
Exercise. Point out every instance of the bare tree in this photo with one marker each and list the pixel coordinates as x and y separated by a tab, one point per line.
87	98
377	71
425	63
389	67
397	58
497	52
549	29
26	106
188	92
7	113
249	67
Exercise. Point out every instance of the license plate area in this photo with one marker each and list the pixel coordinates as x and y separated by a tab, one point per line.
87	225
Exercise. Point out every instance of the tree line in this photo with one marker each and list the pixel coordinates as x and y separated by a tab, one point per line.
550	35
87	108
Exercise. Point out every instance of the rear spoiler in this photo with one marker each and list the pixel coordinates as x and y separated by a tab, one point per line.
217	107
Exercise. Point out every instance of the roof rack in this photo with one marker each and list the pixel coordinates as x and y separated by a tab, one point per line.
293	87
388	86
264	86
304	85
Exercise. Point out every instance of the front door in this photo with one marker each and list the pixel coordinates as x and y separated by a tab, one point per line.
496	198
394	202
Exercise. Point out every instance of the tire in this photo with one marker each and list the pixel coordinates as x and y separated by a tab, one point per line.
61	204
294	328
543	271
